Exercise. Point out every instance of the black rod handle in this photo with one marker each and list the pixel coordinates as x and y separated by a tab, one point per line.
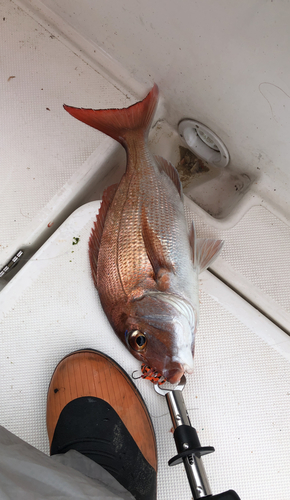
227	495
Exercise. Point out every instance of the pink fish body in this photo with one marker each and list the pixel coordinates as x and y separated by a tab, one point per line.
144	263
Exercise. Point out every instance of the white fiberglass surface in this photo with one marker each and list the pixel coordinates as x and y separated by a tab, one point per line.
254	259
237	397
41	146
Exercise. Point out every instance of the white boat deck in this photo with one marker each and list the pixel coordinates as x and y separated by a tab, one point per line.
239	395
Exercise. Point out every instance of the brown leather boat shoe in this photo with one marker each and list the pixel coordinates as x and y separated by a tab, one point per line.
93	407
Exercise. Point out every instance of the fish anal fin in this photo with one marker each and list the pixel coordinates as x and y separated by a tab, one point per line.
207	250
97	230
154	249
171	171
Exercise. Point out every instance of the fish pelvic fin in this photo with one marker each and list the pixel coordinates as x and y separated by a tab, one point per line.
118	123
204	251
171	171
97	230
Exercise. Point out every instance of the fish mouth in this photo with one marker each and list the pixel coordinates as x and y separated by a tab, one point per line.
173	376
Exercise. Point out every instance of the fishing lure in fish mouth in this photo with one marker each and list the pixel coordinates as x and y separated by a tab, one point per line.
144	263
151	375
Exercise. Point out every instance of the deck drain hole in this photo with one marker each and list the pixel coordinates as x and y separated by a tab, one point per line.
204	143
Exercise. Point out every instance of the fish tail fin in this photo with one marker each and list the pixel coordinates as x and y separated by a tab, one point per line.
118	123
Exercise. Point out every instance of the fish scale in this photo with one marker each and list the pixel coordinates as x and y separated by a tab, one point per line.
140	251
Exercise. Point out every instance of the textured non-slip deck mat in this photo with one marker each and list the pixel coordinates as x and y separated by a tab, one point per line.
238	397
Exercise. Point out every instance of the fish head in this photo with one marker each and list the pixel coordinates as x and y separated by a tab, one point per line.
160	332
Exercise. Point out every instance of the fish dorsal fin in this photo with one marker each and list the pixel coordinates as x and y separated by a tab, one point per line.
171	171
206	252
155	251
97	230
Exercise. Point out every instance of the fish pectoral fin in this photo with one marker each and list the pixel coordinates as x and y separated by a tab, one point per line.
171	172
154	248
192	241
163	280
97	231
206	251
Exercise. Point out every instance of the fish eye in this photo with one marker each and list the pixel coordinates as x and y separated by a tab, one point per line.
137	340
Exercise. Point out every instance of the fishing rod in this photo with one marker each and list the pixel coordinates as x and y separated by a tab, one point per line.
188	445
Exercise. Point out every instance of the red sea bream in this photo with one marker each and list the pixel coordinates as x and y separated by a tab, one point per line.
144	263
